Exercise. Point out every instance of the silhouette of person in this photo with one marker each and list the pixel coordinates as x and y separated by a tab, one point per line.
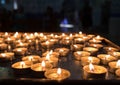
50	20
86	16
105	15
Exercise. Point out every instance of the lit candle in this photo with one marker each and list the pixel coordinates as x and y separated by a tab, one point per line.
50	59
43	66
110	49
105	58
7	56
113	66
33	58
57	74
117	72
92	50
62	51
89	59
79	54
76	47
3	46
94	72
20	51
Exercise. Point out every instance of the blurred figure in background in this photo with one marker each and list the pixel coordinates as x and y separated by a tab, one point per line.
105	15
86	16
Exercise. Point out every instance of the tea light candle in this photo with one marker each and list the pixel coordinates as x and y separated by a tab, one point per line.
115	54
78	40
43	66
22	44
94	41
6	56
33	58
89	59
110	49
117	72
57	74
51	53
10	40
94	71
21	67
92	50
62	51
20	51
98	37
113	66
76	47
50	59
79	54
47	44
3	46
106	58
96	45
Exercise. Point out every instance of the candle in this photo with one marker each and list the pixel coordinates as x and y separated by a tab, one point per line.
62	51
96	45
94	72
94	41
79	54
106	58
57	74
51	54
78	40
8	56
76	47
3	46
33	58
38	69
113	66
22	44
110	49
43	66
92	50
89	59
20	51
98	37
115	54
50	59
21	67
117	72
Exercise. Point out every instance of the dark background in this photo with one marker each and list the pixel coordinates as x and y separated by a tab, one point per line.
32	16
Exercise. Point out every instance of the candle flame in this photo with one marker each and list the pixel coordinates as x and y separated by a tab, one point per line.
47	42
90	59
30	58
51	51
118	64
6	33
80	32
3	55
43	63
59	71
106	57
79	53
75	46
91	67
22	64
41	34
48	56
98	36
109	48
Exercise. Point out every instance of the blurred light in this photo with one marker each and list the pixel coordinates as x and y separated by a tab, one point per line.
2	1
15	5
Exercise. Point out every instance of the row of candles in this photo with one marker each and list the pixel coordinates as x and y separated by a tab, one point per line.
84	47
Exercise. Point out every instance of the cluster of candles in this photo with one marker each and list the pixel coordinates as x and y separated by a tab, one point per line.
40	53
